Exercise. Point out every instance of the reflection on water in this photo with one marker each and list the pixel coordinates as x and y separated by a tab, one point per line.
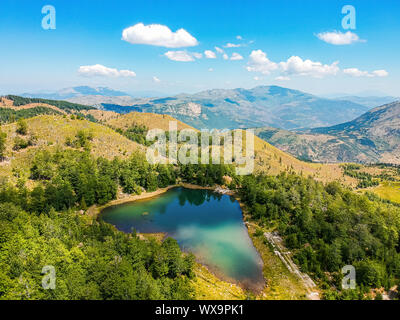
206	223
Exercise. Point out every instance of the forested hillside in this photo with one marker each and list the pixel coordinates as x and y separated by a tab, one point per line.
328	227
41	227
68	165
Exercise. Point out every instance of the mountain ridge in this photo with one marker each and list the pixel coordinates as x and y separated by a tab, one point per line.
240	108
370	138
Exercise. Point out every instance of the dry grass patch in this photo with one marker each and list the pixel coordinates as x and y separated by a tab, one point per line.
150	120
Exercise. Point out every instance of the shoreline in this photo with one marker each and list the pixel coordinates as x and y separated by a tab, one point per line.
95	211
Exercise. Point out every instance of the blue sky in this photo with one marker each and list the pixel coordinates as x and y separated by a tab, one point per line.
287	43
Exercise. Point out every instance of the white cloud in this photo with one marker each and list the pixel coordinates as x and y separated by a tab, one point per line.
380	73
181	56
354	72
225	56
232	45
158	35
210	54
339	38
236	56
102	71
257	78
297	66
210	69
239	37
260	63
219	50
155	79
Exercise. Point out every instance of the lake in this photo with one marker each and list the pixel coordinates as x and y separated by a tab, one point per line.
208	224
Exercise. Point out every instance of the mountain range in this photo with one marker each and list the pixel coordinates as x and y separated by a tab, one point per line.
369	101
241	108
372	137
304	125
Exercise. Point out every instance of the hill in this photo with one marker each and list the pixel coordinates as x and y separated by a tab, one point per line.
268	159
64	105
15	107
51	132
371	138
240	108
149	120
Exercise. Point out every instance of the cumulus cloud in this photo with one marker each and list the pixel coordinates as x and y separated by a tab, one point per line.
354	72
210	54
156	80
225	56
210	69
339	38
380	73
257	78
102	71
239	37
158	35
219	50
236	56
181	56
297	66
260	63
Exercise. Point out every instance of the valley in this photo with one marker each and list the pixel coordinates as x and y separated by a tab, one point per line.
108	135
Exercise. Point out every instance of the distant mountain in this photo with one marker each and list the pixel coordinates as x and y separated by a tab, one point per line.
79	91
98	100
88	95
372	137
261	106
370	101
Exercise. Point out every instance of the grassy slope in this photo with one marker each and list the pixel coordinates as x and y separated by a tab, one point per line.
7	103
271	160
150	120
389	190
52	131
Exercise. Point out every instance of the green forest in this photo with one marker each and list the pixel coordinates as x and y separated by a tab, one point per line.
328	227
92	259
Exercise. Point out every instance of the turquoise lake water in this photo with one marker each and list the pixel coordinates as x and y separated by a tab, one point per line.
208	224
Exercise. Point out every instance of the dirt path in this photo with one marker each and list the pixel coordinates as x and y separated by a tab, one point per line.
279	249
